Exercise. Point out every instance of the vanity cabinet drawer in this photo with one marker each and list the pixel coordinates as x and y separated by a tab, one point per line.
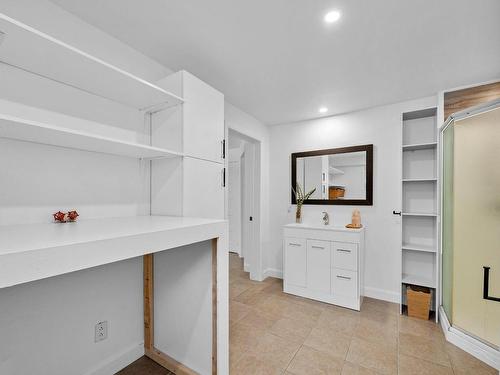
344	283
318	265
345	256
295	261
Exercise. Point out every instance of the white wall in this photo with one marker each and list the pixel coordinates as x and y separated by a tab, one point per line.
247	125
47	326
380	126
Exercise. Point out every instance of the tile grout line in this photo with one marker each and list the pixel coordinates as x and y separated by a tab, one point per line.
291	360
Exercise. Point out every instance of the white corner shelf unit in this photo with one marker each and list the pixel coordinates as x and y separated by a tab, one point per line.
34	51
28	130
181	138
420	206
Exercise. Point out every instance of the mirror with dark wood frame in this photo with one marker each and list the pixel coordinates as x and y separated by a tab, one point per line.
340	176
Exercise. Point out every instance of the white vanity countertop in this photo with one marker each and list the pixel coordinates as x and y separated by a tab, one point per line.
322	227
36	251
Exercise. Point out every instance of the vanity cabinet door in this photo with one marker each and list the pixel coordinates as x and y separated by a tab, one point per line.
345	256
295	261
318	265
344	284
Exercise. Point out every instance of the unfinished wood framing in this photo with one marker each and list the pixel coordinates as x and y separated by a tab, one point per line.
150	351
214	306
148	301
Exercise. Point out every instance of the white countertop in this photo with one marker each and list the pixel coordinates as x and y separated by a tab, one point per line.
35	251
322	227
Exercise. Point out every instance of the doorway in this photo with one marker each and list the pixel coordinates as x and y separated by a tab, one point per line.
244	201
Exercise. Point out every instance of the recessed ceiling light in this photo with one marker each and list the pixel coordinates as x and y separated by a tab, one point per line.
323	110
332	16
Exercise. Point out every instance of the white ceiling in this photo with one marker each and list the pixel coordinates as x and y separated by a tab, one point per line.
278	60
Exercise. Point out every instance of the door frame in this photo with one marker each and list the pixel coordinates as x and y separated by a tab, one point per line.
253	227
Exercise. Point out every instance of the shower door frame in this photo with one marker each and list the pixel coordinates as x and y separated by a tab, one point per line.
456	336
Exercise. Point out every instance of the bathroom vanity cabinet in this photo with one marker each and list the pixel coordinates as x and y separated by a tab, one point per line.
324	263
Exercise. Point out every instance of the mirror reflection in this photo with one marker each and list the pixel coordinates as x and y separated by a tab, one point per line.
337	176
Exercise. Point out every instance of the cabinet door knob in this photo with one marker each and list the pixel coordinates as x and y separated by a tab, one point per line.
396	213
317	247
294	244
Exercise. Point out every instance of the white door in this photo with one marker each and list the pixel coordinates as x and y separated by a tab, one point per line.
234	201
295	261
203	189
318	265
203	118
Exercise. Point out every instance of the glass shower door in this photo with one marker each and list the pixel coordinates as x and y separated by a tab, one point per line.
476	224
471	224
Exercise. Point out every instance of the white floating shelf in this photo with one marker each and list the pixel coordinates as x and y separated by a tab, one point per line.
334	171
419	146
36	251
418	280
419	179
423	248
429	214
32	50
48	134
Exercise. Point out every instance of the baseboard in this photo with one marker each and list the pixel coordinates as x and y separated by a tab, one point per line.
474	347
273	272
119	361
246	267
385	295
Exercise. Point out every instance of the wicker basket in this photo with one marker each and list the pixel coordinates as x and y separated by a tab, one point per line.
419	302
335	192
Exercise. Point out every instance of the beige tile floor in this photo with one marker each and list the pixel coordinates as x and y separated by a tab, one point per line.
275	333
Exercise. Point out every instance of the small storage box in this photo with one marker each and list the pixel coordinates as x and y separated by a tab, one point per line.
335	192
419	302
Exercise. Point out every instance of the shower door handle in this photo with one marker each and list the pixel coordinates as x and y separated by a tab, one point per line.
486	286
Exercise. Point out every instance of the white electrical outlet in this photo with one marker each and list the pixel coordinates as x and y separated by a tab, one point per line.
101	331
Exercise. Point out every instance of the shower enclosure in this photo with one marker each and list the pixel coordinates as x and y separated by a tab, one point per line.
470	228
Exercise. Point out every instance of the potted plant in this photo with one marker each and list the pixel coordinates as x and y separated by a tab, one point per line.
300	197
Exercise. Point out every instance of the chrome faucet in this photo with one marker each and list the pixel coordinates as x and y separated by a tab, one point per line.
326	218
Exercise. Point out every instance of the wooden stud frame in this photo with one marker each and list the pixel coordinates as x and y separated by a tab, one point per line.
150	351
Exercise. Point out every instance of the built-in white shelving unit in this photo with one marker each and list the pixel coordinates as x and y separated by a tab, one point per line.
34	51
419	179
418	280
419	255
158	204
54	135
420	146
431	214
425	248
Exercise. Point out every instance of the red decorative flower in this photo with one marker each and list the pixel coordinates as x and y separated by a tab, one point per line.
59	216
72	215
